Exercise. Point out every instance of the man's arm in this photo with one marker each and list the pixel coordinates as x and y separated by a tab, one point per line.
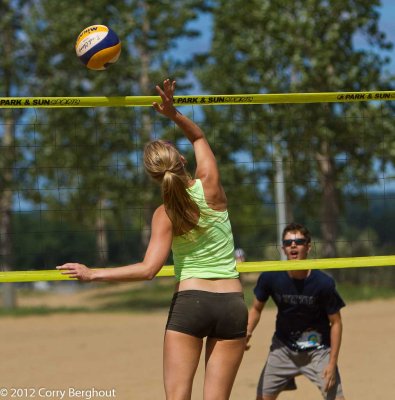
254	315
329	373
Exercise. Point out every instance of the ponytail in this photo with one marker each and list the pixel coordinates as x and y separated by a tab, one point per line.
164	164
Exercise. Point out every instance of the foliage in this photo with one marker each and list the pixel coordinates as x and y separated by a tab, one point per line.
44	239
15	60
307	46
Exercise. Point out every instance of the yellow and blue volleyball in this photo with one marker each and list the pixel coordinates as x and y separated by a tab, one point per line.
98	47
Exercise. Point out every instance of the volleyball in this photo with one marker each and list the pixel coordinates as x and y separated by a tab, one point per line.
98	47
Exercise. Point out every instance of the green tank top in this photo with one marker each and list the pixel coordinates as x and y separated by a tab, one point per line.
208	251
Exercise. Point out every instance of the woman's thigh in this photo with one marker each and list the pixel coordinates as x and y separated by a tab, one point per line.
181	354
223	358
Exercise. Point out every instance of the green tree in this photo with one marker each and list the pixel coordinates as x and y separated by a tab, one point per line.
14	65
307	46
92	156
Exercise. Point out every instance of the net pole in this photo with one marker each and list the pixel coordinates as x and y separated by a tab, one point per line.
279	184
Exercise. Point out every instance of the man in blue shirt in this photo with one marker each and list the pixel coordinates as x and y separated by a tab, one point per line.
308	325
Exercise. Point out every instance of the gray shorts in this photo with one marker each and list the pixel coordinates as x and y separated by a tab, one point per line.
283	365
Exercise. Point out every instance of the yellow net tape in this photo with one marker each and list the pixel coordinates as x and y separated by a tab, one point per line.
259	266
202	100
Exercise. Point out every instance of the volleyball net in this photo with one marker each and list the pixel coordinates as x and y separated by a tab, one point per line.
72	172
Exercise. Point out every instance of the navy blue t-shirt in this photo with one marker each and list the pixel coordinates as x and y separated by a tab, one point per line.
303	305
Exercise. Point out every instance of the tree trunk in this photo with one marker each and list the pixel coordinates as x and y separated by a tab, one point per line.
146	127
329	205
101	236
9	295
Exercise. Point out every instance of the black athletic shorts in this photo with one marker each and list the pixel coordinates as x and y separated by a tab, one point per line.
216	315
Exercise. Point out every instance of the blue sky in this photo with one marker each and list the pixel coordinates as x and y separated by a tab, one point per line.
387	25
387	19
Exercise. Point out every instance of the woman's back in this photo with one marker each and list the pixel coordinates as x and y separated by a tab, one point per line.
206	251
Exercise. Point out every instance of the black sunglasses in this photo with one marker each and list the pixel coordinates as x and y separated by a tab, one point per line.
298	242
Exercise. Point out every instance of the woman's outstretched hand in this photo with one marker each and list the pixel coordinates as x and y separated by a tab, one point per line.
75	270
166	108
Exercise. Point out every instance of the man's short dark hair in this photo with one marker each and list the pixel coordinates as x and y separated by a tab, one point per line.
295	227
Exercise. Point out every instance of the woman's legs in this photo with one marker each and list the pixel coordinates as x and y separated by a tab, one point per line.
204	314
181	354
223	358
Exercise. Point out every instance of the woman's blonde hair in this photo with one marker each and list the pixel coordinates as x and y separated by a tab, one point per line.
165	165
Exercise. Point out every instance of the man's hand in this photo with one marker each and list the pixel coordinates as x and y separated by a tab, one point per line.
248	337
329	376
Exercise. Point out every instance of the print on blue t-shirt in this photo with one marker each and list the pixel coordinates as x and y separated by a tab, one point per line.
303	307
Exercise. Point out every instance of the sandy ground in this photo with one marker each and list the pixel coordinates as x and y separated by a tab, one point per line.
121	354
